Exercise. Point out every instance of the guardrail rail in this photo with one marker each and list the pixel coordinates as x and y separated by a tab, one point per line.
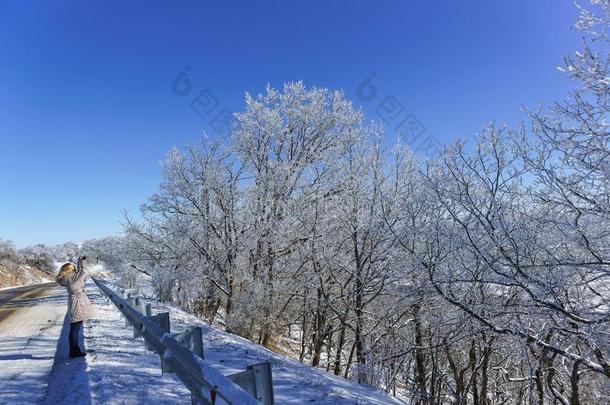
182	354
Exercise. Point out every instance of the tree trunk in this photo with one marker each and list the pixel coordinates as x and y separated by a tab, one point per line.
575	397
320	331
340	344
420	366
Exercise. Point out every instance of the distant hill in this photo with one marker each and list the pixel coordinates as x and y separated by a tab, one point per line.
13	274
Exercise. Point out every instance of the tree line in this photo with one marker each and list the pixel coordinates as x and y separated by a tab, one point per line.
480	276
39	256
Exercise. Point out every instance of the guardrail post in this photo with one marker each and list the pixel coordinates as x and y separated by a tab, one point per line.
148	312
183	352
263	382
196	341
122	296
139	306
162	319
131	302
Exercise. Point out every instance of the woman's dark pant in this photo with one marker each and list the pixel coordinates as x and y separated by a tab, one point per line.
73	337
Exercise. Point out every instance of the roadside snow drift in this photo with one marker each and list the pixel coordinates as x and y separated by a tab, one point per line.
118	370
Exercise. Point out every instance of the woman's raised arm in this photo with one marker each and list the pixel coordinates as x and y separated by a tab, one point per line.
81	273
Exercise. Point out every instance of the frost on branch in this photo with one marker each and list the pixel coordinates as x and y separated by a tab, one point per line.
479	277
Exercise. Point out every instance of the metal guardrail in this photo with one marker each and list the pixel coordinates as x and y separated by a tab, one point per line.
182	354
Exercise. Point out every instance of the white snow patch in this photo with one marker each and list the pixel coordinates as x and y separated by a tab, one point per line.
293	382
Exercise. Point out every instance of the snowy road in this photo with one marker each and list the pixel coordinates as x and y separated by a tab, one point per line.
31	320
35	368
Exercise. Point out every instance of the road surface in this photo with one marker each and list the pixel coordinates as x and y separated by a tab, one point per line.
31	320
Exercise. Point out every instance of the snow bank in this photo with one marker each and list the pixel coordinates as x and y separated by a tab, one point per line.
119	370
116	370
293	382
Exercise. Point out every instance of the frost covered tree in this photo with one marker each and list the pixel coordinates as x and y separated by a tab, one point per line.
40	257
63	252
192	228
287	141
480	276
522	231
8	250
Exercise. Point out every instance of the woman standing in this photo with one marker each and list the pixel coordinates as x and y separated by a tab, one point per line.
79	306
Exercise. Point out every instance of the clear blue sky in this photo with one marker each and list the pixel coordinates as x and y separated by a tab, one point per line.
87	110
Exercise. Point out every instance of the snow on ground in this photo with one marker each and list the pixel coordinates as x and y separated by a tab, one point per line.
31	319
116	370
293	382
35	368
68	380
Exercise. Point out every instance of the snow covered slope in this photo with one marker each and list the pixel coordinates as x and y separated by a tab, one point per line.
120	371
293	382
14	274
